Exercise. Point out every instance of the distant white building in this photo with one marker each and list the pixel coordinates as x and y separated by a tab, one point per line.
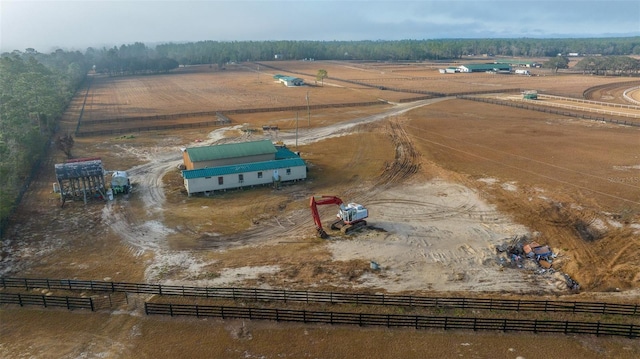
291	81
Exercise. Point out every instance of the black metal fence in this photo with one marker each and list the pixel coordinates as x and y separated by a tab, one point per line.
118	131
527	106
46	301
303	296
395	320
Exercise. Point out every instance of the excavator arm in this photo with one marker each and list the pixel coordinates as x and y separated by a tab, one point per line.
314	203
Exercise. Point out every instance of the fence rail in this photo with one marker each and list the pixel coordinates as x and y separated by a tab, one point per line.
527	106
46	301
257	294
149	128
227	112
589	109
590	102
395	320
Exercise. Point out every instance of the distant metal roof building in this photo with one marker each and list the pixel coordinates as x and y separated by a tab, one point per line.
243	168
291	81
484	67
230	150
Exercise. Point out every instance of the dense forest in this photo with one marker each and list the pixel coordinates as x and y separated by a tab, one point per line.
213	52
36	88
34	92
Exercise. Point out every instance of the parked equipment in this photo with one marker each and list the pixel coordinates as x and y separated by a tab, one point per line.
350	217
120	182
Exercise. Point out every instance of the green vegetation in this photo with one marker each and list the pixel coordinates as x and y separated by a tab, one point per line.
35	89
609	65
321	75
136	59
558	62
215	52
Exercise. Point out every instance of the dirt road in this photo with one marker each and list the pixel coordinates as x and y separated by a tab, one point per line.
429	235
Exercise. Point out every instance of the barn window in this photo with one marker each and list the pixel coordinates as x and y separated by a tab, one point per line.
220	180
259	174
240	178
288	171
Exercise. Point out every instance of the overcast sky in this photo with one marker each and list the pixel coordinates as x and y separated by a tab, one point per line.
76	25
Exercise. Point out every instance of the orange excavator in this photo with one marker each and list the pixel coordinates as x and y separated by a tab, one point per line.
350	217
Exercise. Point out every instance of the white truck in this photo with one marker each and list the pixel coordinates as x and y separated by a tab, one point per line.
523	72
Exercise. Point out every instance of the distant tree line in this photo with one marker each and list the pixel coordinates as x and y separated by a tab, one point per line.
136	59
215	52
609	65
35	90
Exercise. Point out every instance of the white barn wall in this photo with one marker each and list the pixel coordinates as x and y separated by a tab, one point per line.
230	181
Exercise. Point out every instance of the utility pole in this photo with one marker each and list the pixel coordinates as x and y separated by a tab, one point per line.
308	111
296	130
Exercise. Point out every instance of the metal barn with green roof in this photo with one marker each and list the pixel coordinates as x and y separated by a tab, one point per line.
228	154
484	68
240	165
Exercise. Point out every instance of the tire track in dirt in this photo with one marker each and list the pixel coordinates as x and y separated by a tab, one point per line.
407	159
145	231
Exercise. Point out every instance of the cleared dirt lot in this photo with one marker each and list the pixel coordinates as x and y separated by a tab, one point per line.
445	180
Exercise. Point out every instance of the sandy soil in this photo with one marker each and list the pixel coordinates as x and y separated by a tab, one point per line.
445	180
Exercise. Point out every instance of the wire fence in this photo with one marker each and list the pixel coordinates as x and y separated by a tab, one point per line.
395	320
46	301
118	131
84	103
217	113
304	296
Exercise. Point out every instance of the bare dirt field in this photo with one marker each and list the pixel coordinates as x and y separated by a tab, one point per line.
446	181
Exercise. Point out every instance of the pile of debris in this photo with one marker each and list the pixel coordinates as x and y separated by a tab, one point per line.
524	253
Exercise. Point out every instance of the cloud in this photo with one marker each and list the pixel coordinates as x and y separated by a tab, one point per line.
69	24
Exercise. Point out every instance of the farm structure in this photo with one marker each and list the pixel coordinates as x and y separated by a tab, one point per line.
449	70
80	179
289	80
484	68
247	164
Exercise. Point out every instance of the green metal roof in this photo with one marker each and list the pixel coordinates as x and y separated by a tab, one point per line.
516	62
285	153
230	150
243	168
487	67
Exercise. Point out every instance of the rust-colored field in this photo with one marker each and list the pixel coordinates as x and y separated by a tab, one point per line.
574	183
